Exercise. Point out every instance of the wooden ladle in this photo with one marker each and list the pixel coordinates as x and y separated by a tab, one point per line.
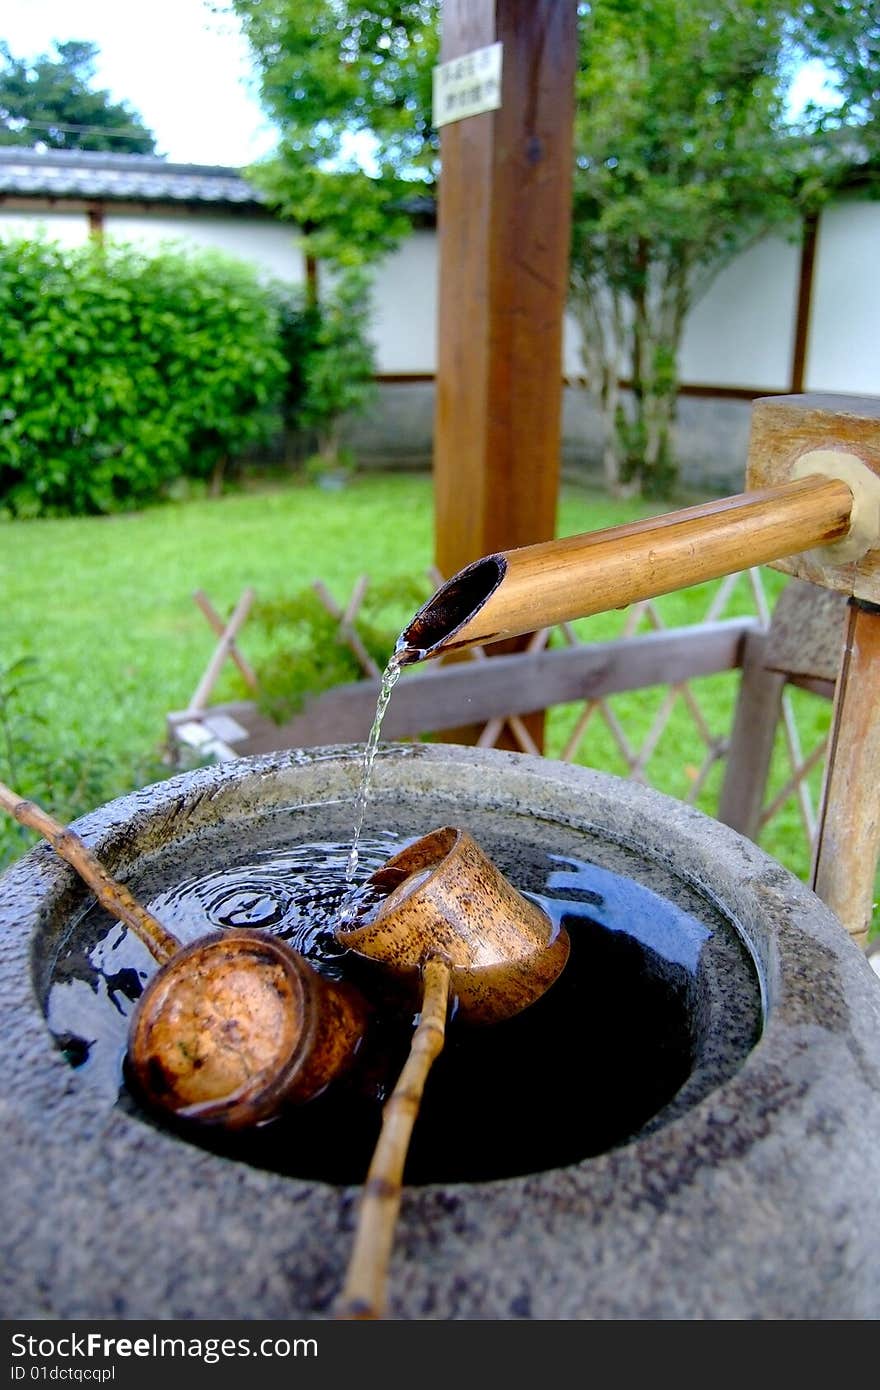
231	1028
450	915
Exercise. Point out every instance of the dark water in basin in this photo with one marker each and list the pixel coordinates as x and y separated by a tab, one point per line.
608	1048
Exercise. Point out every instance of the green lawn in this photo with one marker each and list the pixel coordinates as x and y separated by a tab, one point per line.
104	608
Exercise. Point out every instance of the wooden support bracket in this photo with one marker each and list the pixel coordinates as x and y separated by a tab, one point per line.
839	436
794	436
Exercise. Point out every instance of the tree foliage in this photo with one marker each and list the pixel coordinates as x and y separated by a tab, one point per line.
845	34
330	365
50	100
349	86
684	156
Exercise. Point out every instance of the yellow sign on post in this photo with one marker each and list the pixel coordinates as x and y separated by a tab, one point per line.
467	85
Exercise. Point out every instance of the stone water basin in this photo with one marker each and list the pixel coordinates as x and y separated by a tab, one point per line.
685	1126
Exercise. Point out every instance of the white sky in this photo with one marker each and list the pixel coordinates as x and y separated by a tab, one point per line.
182	67
186	69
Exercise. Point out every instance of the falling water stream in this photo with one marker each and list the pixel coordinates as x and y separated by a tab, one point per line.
390	677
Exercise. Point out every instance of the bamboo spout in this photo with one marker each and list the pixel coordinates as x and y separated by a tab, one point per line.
518	591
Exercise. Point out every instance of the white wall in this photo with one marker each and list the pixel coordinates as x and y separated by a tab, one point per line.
572	362
272	245
741	332
405	307
843	343
68	228
739	335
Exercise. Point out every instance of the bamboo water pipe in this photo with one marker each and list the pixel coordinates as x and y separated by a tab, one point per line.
519	591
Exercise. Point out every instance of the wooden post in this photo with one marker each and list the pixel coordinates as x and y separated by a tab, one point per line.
757	714
848	839
792	433
504	225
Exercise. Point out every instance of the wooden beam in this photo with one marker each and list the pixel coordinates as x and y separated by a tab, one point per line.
519	683
757	714
504	224
204	603
804	303
222	652
95	214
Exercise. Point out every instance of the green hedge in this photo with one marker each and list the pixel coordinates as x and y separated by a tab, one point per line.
122	371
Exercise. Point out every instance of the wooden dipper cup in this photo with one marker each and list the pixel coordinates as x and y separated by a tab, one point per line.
237	1026
232	1027
451	916
446	898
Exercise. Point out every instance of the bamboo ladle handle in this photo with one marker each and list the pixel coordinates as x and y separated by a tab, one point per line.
110	894
233	1026
364	1292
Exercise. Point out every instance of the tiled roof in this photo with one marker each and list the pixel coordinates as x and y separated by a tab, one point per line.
142	177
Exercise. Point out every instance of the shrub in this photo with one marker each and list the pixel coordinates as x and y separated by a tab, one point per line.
308	654
330	367
122	372
299	319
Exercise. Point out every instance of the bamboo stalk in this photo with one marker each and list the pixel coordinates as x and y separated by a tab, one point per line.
110	894
221	653
519	591
217	623
363	1295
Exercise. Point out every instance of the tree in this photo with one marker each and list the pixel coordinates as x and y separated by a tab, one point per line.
350	88
684	156
50	101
